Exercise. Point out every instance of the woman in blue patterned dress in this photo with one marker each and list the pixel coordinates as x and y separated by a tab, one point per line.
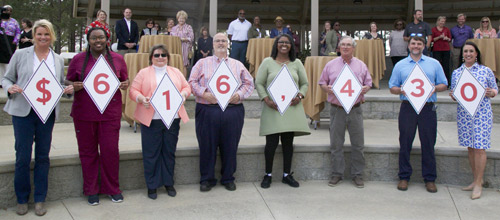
474	132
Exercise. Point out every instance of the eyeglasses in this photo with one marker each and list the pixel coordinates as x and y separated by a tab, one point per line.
159	54
416	34
485	21
345	45
399	24
98	38
284	42
220	41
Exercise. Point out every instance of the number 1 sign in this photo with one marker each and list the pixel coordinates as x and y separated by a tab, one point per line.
101	83
166	100
223	84
347	88
418	88
469	92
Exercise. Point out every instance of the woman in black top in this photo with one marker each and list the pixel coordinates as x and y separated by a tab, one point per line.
205	45
26	35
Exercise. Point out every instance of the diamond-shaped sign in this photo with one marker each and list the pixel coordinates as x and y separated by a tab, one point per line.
418	88
469	92
283	89
166	100
347	88
223	84
43	91
101	83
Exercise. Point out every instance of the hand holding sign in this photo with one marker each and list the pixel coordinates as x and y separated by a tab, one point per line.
469	92
283	89
101	84
418	88
223	84
167	100
347	88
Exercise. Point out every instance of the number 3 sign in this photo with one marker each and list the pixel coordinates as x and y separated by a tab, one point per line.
223	84
347	88
418	88
469	92
101	84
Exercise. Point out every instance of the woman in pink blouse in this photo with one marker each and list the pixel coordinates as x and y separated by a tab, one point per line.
185	32
100	22
485	30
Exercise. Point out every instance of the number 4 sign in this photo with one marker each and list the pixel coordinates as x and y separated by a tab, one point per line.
347	88
418	88
166	100
469	92
223	84
101	83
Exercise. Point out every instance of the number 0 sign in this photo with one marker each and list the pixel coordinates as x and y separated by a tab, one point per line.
101	84
347	88
418	88
223	84
469	92
166	100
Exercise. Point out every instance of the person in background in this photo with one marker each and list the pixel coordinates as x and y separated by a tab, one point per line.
474	132
296	40
324	43
372	34
10	33
185	32
459	34
256	31
485	30
157	27
238	35
159	143
399	47
336	28
279	29
28	127
97	133
150	28
441	36
170	25
292	123
205	45
127	33
419	28
100	21
26	35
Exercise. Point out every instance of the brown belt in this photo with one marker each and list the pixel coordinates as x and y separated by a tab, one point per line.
338	106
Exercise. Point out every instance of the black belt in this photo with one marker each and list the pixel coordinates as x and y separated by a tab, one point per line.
427	103
338	106
239	41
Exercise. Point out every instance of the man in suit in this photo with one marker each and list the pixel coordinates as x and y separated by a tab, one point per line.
127	33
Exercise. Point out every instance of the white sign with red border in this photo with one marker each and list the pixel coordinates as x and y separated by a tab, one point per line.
418	88
283	89
166	100
101	83
347	88
469	92
43	91
223	84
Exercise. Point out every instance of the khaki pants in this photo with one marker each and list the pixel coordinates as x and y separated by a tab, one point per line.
455	56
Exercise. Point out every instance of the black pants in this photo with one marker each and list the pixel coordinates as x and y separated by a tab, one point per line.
271	145
444	58
396	59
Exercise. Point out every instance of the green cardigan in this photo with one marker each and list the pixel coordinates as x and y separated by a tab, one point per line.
294	119
331	41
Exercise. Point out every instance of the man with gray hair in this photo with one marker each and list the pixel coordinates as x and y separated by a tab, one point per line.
459	34
340	119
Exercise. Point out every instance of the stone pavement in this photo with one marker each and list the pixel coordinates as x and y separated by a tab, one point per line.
312	200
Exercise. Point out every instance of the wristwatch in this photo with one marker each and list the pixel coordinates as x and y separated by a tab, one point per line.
300	96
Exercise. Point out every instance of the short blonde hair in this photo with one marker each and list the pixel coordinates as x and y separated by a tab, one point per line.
42	23
439	18
182	13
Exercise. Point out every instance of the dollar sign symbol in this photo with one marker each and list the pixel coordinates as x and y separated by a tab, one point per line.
40	85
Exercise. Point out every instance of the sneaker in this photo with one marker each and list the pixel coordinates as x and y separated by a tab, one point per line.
290	181
334	181
93	200
40	209
171	191
152	194
116	198
358	182
22	209
266	182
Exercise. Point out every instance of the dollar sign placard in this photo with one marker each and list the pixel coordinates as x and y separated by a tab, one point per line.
43	91
46	95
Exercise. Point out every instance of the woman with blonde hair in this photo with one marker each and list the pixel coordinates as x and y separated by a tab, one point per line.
485	30
185	32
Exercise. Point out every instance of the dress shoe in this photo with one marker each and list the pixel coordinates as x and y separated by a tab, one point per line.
152	194
334	181
403	185
266	182
40	209
358	182
171	191
205	186
290	181
22	209
230	186
431	187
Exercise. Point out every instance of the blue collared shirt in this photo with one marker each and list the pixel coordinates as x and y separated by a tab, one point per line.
461	34
431	67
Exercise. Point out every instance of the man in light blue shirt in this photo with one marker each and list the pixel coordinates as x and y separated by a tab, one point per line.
409	120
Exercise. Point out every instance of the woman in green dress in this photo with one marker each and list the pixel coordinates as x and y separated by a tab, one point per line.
293	122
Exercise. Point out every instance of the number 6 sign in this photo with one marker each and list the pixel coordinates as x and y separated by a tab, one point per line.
223	84
166	100
418	88
101	84
469	92
347	88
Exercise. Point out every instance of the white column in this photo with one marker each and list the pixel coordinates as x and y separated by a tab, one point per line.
213	17
105	5
419	4
314	27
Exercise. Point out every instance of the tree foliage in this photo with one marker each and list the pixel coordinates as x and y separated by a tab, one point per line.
59	12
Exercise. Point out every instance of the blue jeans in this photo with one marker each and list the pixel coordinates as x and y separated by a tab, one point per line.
239	51
26	130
